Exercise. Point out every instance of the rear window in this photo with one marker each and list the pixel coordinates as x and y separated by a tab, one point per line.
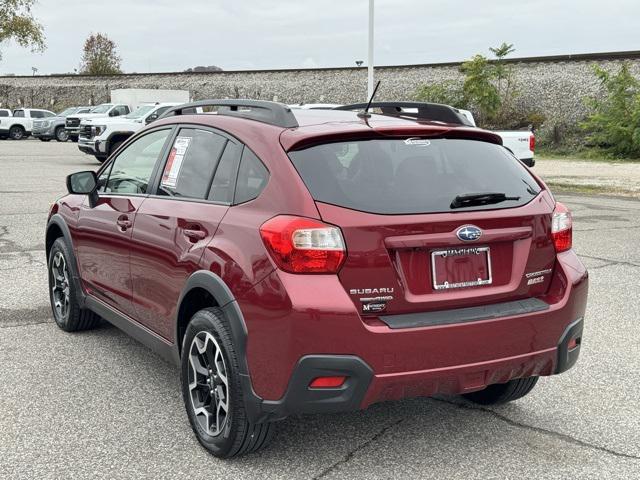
413	175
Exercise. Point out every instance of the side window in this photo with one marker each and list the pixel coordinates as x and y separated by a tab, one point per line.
192	161
123	109
84	110
48	114
132	168
224	179
252	177
18	113
4	113
37	114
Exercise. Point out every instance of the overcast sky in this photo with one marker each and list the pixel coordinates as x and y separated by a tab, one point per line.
170	35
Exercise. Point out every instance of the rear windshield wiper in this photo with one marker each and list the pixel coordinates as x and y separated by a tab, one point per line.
476	199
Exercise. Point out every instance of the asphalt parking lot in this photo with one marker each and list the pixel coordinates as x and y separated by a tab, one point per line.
100	405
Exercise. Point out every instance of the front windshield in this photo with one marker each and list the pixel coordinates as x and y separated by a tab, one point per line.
68	111
140	112
102	108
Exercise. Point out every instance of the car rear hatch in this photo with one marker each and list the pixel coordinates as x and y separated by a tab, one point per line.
432	224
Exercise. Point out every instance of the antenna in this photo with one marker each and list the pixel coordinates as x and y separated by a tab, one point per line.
365	113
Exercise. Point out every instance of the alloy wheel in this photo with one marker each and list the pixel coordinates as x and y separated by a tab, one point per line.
208	384
62	135
60	286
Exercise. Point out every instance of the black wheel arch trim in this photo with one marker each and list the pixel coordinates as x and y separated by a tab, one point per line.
57	220
226	301
126	134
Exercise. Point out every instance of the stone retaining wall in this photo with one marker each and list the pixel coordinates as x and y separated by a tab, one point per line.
552	86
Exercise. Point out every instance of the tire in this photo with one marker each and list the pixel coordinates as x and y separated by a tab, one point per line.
207	341
61	135
63	294
503	392
17	132
101	158
74	139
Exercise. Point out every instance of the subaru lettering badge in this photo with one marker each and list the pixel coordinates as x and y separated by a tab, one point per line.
469	233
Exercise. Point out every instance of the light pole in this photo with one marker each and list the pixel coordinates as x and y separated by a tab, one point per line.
370	56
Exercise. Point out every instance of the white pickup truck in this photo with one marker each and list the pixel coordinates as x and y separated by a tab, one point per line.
105	110
102	136
522	143
20	125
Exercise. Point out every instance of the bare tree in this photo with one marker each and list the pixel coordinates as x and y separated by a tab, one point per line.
99	56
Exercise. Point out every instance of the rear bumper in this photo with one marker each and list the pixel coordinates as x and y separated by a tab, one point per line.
451	358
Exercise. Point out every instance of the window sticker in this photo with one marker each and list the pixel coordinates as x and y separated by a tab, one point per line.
174	162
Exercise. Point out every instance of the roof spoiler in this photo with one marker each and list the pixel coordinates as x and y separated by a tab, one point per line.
272	113
423	111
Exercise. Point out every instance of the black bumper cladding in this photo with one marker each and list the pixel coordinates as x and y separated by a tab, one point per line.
300	399
568	357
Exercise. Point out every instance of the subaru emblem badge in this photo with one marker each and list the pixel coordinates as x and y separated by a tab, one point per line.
469	233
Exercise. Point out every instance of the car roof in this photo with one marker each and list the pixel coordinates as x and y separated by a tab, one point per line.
323	126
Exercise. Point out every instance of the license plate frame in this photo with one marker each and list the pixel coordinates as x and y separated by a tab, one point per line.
461	251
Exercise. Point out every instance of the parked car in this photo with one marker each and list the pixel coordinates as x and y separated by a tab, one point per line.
522	143
54	127
104	110
20	124
102	136
320	261
123	102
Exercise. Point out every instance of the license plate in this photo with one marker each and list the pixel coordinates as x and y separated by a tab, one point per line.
461	267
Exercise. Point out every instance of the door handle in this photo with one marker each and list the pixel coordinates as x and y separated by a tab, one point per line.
194	235
124	223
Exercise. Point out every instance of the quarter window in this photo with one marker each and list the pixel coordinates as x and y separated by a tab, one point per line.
224	179
132	168
191	164
4	113
252	177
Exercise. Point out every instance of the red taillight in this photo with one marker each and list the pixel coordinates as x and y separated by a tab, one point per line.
327	382
562	228
532	142
303	245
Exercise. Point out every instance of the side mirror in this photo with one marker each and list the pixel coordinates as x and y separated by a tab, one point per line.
152	118
82	183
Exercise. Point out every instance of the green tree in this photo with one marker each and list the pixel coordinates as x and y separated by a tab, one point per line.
479	89
100	56
614	123
447	93
18	23
505	80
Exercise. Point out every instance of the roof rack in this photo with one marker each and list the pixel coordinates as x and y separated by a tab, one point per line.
423	111
272	113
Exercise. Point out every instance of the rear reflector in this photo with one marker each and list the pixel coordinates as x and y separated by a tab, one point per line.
532	142
303	245
562	228
327	382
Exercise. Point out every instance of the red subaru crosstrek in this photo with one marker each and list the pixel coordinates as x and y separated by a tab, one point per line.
320	261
